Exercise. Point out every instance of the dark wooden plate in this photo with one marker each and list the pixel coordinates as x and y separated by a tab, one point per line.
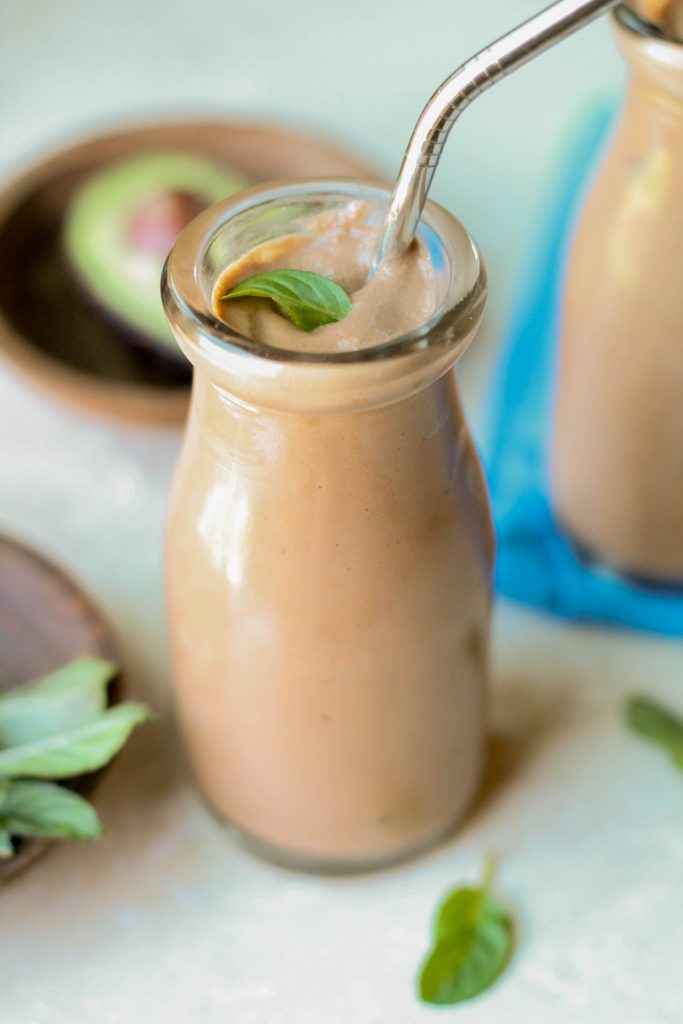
63	342
45	621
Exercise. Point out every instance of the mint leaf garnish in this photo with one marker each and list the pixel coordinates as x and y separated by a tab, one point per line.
308	299
653	722
473	937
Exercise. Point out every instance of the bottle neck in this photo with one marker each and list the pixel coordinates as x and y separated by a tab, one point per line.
655	65
215	407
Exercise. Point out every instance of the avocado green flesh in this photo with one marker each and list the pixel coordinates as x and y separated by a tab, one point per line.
122	276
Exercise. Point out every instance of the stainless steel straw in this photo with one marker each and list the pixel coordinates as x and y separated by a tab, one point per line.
471	79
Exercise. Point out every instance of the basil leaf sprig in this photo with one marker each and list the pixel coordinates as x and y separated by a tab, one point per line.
46	810
74	751
57	727
308	299
655	723
473	939
60	700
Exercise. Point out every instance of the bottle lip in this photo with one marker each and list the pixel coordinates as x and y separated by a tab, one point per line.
627	19
196	326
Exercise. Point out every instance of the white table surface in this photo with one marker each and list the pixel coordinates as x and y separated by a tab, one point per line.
165	919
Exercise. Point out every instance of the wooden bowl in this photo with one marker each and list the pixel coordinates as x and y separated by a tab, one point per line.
63	343
45	621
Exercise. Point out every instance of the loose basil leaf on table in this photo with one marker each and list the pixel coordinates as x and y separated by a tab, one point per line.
473	937
308	299
68	697
74	751
655	723
46	810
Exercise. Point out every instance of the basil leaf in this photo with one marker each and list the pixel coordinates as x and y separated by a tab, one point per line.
473	937
47	810
61	700
653	722
6	847
81	749
308	299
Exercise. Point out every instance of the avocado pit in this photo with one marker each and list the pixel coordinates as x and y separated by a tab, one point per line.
158	223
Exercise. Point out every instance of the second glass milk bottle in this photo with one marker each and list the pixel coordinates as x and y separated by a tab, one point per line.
617	459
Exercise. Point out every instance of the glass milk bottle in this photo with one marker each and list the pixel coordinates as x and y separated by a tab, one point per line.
617	457
329	558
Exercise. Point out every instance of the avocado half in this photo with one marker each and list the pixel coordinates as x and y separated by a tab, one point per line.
122	222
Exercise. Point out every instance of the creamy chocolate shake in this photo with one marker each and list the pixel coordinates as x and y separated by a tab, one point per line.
617	461
329	573
398	298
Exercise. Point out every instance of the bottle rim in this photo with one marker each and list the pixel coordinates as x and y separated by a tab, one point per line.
187	297
626	18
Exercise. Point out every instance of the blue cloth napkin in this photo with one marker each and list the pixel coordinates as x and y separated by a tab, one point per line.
536	564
